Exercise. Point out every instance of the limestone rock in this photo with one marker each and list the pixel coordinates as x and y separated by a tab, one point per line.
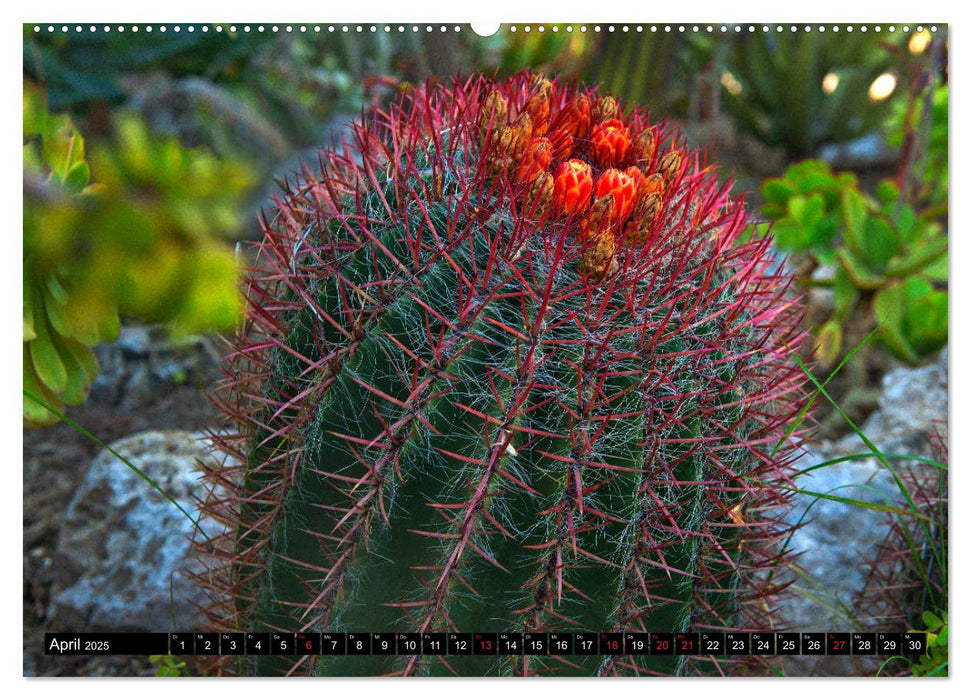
122	544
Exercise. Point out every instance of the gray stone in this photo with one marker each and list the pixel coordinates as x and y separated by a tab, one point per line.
122	544
144	360
135	341
836	539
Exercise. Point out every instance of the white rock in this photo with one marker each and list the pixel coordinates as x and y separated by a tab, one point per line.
122	544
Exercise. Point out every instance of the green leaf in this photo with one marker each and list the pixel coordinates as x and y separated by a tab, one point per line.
862	276
845	293
796	207
931	620
47	362
815	210
77	177
887	192
880	243
925	322
829	340
817	182
906	230
854	219
29	332
918	258
888	307
36	414
799	171
789	237
777	191
820	238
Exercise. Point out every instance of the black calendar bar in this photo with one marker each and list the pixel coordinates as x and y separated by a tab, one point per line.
579	643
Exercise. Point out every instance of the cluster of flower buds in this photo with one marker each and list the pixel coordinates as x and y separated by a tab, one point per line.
580	160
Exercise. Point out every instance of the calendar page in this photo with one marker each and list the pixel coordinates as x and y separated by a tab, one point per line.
449	349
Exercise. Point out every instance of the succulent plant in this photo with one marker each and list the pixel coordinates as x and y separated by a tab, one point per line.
779	96
506	369
889	265
86	243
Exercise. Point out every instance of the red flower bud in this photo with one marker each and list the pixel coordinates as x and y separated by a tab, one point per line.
610	142
572	186
622	186
562	144
574	118
536	159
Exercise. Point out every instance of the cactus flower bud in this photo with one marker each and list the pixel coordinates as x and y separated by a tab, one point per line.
650	184
598	260
572	186
519	135
599	218
574	118
669	166
610	142
538	107
536	159
622	186
605	109
644	214
644	147
540	193
493	116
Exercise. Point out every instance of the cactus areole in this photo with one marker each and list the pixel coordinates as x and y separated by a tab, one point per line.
507	367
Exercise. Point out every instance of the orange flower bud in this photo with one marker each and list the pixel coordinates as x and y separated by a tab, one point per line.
651	184
520	133
538	107
622	187
572	186
605	109
634	173
610	142
562	144
536	159
574	118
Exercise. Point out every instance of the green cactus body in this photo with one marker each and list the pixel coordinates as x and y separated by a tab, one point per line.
448	423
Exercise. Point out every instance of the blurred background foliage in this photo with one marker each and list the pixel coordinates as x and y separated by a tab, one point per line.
148	155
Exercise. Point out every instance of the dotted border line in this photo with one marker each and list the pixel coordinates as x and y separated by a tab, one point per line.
513	28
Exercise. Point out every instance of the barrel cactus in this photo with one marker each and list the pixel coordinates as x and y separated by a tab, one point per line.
507	366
